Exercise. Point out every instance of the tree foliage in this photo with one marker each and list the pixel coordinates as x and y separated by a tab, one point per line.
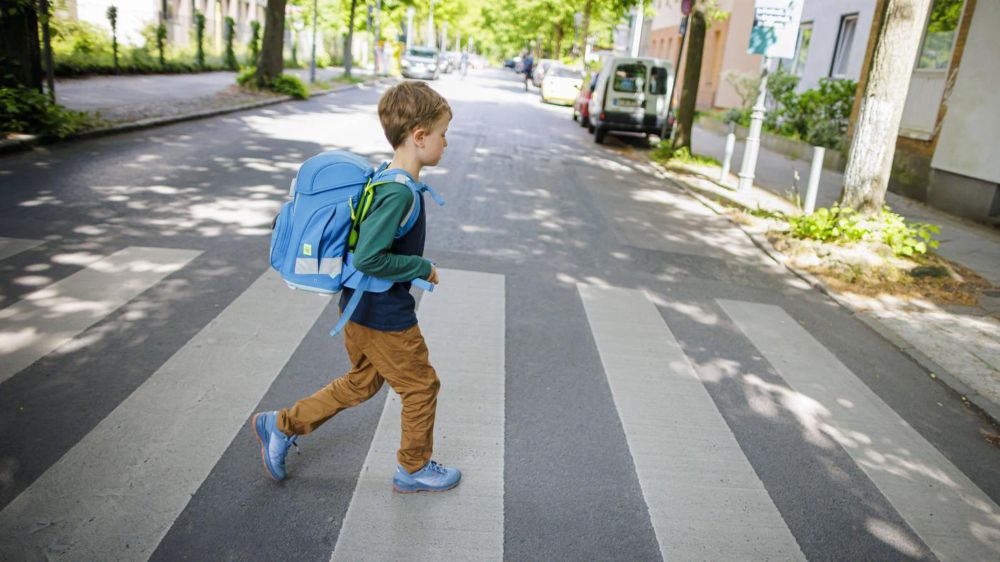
548	27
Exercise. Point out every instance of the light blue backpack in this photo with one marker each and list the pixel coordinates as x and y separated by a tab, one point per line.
315	233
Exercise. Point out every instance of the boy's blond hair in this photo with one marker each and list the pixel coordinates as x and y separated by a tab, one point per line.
408	106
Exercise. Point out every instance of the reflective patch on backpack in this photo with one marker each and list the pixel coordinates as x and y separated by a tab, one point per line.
325	266
307	249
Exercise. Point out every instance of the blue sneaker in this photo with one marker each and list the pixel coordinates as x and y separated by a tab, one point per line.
273	443
433	477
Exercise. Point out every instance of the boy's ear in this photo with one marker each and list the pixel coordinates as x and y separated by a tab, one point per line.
419	135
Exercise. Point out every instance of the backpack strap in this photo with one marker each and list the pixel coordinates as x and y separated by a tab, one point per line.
358	214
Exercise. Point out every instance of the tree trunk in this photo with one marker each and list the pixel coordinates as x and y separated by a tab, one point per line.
869	160
585	30
692	75
270	62
20	53
348	42
559	40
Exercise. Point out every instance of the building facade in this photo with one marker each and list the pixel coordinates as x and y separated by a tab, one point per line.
833	37
134	15
945	153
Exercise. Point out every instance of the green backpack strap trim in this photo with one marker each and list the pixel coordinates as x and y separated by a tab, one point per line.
358	215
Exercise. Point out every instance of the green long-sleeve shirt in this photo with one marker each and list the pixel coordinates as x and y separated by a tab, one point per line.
378	230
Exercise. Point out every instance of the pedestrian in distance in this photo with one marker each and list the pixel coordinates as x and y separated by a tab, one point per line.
529	67
382	338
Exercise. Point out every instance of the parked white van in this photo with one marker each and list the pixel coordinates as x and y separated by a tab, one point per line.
631	94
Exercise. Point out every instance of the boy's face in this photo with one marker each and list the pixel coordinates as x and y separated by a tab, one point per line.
431	143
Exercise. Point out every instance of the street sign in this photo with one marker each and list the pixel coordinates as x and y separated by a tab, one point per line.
775	28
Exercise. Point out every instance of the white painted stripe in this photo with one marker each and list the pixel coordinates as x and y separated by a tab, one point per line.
949	512
11	246
463	323
704	498
49	317
116	493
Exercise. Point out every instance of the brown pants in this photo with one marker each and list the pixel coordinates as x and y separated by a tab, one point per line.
397	357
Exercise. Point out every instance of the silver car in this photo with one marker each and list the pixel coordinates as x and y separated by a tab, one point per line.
422	62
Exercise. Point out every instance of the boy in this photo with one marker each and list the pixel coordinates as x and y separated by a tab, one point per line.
383	339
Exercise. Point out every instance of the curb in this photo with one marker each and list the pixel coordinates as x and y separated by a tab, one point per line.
968	395
27	142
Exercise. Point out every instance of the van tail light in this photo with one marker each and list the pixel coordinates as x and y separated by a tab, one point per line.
602	116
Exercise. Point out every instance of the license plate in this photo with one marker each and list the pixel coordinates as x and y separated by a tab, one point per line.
625	102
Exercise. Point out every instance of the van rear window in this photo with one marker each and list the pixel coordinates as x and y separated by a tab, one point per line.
629	78
658	81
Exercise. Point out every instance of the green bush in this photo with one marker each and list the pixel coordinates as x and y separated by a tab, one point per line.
284	84
664	152
819	116
838	225
246	77
80	48
23	110
290	86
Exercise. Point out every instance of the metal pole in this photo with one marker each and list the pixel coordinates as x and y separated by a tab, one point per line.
727	160
637	30
47	40
752	145
814	172
312	63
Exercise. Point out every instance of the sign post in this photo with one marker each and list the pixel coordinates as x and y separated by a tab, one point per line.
774	33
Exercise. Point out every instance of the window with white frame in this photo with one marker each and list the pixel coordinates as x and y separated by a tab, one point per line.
845	39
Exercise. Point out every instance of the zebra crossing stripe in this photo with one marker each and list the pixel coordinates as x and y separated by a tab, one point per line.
12	246
463	323
49	317
116	493
699	487
946	509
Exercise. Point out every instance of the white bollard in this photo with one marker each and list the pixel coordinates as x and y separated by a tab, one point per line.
727	160
814	171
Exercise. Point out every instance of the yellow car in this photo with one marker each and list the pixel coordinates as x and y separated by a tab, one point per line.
561	85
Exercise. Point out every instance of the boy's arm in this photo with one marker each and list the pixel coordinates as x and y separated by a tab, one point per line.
378	230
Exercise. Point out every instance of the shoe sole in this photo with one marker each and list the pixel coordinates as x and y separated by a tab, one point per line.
417	491
263	449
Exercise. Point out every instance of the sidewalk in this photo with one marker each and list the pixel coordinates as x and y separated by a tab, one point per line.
974	246
959	345
142	96
132	102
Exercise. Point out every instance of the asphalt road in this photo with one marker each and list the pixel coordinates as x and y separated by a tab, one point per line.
641	381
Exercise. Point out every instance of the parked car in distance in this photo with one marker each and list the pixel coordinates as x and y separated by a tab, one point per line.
581	110
538	72
511	63
561	85
421	62
631	94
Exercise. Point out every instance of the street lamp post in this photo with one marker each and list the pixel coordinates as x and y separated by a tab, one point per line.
752	145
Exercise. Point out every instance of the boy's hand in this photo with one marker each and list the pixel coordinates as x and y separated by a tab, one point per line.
433	277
